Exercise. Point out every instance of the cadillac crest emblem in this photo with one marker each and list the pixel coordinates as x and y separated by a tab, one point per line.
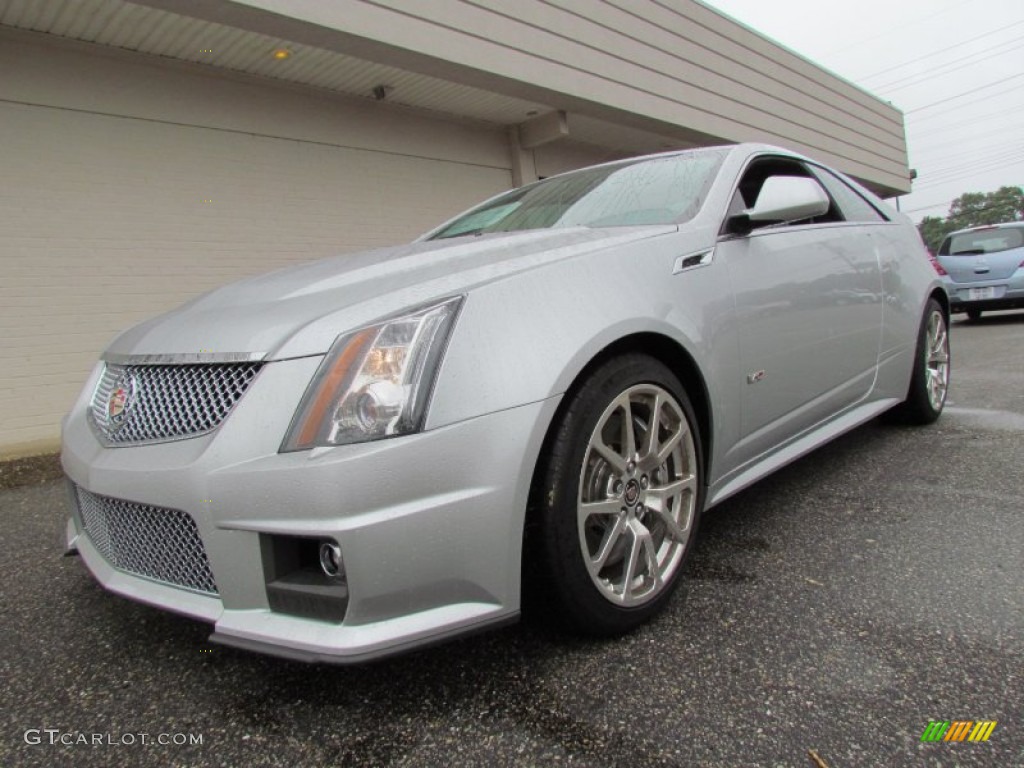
120	402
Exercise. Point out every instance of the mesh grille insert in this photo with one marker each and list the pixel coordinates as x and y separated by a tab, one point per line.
152	403
158	543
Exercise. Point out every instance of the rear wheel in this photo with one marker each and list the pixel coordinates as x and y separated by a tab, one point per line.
974	314
929	383
617	498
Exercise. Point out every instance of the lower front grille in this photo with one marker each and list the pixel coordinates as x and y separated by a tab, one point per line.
154	542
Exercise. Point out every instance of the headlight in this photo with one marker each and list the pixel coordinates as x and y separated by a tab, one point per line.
375	382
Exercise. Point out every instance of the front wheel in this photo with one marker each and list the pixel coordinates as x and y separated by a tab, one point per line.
617	497
929	382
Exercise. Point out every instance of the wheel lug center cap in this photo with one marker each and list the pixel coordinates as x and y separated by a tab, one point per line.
632	493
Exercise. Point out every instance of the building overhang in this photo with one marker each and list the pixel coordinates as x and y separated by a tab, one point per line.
562	72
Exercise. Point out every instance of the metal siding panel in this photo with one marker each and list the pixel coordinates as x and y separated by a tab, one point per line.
699	48
772	53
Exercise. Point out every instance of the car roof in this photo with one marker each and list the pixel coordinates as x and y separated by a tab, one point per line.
979	228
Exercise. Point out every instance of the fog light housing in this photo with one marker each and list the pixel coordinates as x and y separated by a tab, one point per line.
305	577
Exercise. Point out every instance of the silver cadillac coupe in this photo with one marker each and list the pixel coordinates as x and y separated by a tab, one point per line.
535	402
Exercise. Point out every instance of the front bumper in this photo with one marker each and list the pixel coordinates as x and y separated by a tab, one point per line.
430	525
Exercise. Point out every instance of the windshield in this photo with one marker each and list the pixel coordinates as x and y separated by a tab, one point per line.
661	190
983	241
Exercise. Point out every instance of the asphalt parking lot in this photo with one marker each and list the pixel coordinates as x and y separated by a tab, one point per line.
838	606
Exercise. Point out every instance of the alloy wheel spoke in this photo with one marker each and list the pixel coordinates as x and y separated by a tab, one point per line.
936	387
631	563
651	438
608	454
675	531
662	493
608	541
628	433
590	508
651	555
670	445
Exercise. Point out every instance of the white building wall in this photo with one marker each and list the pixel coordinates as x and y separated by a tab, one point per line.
129	186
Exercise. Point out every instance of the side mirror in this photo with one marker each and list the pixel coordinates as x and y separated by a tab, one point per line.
782	198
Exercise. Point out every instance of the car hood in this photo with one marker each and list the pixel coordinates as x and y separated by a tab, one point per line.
301	310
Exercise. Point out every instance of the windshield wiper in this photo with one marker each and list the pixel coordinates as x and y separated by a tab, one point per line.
475	232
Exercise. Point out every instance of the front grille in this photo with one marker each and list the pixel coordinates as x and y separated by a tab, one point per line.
154	542
166	402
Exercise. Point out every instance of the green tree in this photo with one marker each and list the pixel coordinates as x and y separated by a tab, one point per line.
933	229
974	209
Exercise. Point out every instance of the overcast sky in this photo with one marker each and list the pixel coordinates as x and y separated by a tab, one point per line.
966	54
